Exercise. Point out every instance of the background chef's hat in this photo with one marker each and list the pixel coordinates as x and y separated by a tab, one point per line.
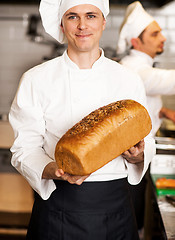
52	11
135	21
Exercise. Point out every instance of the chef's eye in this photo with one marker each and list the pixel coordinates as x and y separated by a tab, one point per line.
72	17
155	34
91	16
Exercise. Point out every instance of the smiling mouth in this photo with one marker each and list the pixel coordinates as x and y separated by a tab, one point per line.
83	35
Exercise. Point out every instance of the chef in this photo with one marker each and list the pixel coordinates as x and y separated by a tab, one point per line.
51	98
142	36
141	40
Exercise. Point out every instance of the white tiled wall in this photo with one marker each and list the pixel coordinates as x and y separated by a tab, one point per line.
18	53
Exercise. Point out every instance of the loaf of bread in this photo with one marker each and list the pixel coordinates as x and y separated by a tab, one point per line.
102	136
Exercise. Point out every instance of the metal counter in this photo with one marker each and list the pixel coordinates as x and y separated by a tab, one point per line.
167	212
160	214
166	209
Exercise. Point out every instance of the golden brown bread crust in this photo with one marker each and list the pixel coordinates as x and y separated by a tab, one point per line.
102	136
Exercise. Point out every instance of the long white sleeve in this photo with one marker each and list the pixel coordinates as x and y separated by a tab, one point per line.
29	157
156	81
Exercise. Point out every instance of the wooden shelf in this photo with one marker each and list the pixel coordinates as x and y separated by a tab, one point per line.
13	231
16	200
6	135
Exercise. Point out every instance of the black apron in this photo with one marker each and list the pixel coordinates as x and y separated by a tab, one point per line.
91	211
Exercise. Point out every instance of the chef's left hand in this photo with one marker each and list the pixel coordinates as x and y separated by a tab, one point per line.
135	154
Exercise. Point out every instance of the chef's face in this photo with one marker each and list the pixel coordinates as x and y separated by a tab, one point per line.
83	26
152	40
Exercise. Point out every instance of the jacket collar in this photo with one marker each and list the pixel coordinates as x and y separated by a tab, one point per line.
74	66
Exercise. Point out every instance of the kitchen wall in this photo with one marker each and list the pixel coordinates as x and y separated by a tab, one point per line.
19	51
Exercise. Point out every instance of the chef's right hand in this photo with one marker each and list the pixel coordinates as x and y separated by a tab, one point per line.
51	171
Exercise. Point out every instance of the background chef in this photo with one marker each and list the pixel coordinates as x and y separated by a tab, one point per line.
142	36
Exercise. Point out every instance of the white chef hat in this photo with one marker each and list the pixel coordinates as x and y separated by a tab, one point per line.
52	11
135	21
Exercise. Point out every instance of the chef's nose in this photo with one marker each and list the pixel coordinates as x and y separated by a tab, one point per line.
82	23
163	37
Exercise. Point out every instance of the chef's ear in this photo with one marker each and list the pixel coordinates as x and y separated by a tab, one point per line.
61	26
104	23
135	43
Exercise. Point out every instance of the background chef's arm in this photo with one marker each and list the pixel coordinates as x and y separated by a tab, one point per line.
167	113
28	155
158	81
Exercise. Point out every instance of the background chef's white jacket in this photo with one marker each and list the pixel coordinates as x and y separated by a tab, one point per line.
157	82
55	95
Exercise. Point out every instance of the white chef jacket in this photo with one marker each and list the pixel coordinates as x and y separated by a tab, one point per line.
55	95
157	82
